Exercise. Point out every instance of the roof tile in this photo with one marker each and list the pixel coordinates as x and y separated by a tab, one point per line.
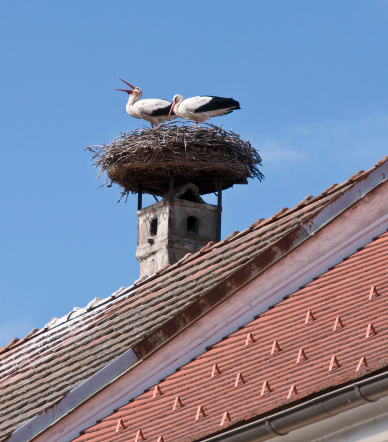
309	317
362	364
120	425
239	379
139	436
157	391
225	419
334	363
301	356
177	403
249	339
265	388
338	324
373	292
292	391
275	347
200	413
215	370
370	331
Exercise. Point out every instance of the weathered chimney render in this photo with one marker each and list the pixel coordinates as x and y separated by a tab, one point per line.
173	227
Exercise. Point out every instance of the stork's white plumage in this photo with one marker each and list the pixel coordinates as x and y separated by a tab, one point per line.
201	108
153	110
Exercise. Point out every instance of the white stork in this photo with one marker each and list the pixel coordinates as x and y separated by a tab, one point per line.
153	110
201	108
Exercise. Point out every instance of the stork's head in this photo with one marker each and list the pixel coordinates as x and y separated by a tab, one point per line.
136	91
175	102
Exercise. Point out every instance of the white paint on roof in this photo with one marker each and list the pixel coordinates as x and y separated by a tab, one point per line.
93	304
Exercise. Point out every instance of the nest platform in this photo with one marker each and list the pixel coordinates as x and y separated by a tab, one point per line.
144	159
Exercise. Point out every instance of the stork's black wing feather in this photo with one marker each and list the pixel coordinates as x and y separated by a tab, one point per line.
218	103
162	111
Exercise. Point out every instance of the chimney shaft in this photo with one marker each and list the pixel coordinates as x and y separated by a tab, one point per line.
167	231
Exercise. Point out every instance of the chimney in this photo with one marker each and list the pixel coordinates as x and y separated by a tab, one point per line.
172	227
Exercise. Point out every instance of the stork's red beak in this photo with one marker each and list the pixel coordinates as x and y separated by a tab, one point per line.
133	87
126	90
172	108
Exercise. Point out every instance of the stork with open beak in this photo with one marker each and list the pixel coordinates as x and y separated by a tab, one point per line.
153	110
201	108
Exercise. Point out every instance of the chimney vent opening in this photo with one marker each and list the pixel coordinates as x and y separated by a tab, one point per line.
192	224
154	227
189	196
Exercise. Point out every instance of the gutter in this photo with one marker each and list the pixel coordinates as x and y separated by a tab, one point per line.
314	410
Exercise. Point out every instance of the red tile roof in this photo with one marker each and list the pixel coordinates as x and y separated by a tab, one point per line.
326	334
39	370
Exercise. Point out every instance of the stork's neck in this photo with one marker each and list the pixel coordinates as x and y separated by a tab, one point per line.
178	102
132	99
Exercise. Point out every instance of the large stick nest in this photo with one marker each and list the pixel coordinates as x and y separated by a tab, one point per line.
145	158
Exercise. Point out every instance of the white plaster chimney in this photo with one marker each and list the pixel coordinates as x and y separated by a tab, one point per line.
173	227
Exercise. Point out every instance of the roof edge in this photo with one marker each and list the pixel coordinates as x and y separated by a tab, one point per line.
322	407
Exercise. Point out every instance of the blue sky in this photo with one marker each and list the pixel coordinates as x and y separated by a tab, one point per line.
311	79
